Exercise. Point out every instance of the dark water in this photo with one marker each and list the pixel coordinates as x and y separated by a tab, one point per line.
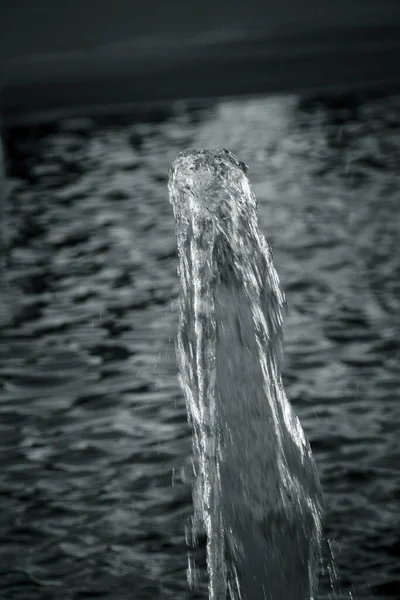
93	427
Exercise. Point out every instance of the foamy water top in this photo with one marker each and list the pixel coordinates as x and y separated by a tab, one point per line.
207	182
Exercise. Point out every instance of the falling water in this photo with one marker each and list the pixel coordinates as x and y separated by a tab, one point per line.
256	493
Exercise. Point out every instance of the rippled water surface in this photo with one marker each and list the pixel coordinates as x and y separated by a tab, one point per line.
93	428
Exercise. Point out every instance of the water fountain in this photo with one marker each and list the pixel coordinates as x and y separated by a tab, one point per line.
257	493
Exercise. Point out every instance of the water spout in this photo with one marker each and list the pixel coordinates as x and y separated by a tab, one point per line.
257	492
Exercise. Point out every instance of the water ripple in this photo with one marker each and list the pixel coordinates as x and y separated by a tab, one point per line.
93	431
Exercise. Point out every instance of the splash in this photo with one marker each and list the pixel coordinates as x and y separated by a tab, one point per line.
256	493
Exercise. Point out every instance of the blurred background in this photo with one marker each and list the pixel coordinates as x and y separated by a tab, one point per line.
97	100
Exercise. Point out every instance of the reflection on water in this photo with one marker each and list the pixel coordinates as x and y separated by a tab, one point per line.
93	424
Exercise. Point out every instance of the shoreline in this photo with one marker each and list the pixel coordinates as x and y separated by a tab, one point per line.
40	89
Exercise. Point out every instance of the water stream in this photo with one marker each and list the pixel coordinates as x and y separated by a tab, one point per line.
256	493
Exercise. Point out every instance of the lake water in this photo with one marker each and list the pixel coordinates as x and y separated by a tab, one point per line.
93	427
